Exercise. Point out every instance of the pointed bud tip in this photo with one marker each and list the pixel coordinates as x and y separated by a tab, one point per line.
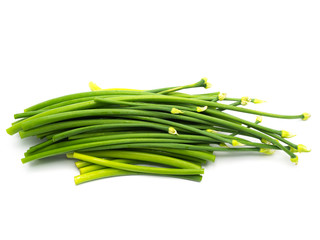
211	131
306	116
286	134
223	145
245	100
267	151
69	155
176	111
206	84
222	96
294	160
303	148
259	119
236	143
265	141
93	86
202	109
172	131
257	101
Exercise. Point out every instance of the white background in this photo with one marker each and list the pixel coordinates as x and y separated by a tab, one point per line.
264	49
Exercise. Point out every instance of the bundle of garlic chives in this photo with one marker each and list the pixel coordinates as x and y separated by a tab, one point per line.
119	132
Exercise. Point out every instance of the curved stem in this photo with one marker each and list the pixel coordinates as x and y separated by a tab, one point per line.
82	95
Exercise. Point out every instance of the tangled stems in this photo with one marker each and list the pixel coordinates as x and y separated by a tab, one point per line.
94	167
196	157
157	98
110	172
82	95
33	123
85	96
134	168
214	136
244	129
118	132
172	99
148	157
127	143
179	146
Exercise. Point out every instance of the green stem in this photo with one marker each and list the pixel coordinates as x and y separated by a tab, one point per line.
82	95
135	105
111	132
201	83
190	153
78	106
237	133
94	167
82	164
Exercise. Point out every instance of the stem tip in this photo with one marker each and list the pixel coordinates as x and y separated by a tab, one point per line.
306	116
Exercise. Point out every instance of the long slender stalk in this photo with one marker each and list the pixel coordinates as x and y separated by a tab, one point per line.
82	164
94	167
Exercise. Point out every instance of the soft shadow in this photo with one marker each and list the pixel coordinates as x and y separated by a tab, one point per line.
54	160
29	141
232	157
